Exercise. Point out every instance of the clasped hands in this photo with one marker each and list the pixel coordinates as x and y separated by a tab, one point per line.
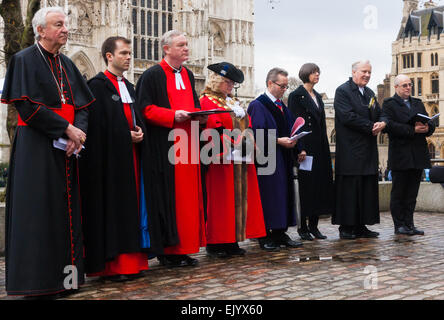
378	127
76	140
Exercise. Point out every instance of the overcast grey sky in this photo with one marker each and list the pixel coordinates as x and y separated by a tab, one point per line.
332	34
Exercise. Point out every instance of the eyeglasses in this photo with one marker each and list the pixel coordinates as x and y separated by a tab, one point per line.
232	83
407	85
281	86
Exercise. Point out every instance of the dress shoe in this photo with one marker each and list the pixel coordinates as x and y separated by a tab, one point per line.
305	235
345	235
268	245
190	261
404	230
363	232
176	261
122	277
317	234
285	240
233	249
416	231
53	296
216	252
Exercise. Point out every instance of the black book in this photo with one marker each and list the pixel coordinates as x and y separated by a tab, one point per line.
422	118
208	112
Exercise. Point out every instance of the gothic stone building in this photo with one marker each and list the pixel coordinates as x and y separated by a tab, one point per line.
418	52
217	30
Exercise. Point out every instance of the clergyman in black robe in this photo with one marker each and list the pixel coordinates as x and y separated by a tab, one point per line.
44	249
358	121
117	227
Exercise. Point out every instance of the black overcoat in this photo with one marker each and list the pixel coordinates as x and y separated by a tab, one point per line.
111	219
356	147
407	149
316	188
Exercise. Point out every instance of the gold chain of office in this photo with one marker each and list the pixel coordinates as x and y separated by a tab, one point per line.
223	103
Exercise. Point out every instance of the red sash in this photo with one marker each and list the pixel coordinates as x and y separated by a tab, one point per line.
66	112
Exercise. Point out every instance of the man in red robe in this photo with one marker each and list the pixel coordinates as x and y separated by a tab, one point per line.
116	223
166	96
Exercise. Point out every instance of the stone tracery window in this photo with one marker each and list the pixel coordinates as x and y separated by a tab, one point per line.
151	19
435	83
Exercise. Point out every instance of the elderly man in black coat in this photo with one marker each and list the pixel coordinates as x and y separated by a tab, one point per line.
358	122
408	152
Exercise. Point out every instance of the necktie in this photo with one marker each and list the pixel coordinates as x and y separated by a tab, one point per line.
280	105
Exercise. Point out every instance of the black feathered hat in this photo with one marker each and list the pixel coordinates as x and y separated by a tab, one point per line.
227	70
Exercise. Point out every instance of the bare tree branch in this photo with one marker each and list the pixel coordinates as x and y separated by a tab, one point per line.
18	35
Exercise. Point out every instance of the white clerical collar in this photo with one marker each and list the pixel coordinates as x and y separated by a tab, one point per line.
177	73
272	98
124	94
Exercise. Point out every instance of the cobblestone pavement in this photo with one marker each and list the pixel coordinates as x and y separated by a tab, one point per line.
407	268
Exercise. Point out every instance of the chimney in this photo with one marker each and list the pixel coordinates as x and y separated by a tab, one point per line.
429	4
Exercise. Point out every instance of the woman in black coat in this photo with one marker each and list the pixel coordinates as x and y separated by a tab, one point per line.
315	187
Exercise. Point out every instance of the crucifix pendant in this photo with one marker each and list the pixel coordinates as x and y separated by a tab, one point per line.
63	100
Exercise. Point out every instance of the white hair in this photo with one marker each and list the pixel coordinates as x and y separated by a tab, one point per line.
400	78
168	37
40	18
358	63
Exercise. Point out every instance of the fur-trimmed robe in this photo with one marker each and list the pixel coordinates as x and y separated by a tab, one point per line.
234	209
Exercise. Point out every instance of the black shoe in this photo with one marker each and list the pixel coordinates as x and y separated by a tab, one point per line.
285	240
305	235
234	250
363	232
268	245
317	234
416	232
404	230
190	261
216	251
118	278
346	235
53	296
177	261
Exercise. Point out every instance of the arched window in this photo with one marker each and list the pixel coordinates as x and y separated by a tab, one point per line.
333	137
435	83
382	138
432	151
432	59
436	59
435	110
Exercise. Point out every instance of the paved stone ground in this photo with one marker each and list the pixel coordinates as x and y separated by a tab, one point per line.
407	268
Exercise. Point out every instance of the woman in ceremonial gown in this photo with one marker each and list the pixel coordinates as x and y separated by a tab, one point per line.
234	210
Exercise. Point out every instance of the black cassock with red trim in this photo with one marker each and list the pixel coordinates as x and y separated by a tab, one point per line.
43	222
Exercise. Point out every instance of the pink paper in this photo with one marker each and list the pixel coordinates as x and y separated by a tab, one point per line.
299	123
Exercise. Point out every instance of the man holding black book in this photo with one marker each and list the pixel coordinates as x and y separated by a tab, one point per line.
408	126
